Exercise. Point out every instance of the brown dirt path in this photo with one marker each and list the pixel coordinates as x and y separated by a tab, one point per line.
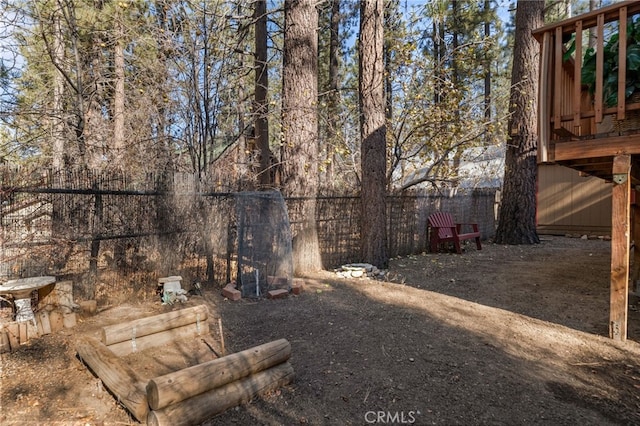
507	335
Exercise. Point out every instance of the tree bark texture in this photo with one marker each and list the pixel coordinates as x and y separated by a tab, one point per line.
333	99
119	94
373	134
58	126
517	219
261	105
300	125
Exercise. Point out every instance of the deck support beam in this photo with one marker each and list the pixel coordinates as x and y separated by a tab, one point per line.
635	235
620	246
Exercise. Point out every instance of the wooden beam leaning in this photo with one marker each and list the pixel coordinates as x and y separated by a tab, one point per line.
175	387
197	409
116	375
620	240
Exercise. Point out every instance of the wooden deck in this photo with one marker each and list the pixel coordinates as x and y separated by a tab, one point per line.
576	128
579	130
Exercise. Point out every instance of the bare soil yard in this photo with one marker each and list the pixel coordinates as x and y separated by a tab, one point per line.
507	335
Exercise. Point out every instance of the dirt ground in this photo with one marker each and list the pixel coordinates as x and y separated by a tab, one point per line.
507	335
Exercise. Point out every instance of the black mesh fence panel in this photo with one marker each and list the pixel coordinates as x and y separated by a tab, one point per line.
264	243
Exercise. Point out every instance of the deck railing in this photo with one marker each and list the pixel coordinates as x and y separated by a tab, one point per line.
568	112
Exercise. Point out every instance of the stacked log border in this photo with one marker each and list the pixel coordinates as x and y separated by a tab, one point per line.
195	394
137	335
191	395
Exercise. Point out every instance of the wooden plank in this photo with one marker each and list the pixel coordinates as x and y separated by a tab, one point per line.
175	387
116	375
620	217
154	324
201	407
138	344
576	150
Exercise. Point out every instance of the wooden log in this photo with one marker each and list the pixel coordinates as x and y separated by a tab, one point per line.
56	321
201	407
155	324
13	333
138	344
116	375
186	383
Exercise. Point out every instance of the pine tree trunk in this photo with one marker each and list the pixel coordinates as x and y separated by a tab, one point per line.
119	94
517	219
373	227
300	126
58	134
261	106
333	99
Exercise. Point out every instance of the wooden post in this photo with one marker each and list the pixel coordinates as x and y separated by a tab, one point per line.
201	407
222	349
620	240
635	232
175	387
116	375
